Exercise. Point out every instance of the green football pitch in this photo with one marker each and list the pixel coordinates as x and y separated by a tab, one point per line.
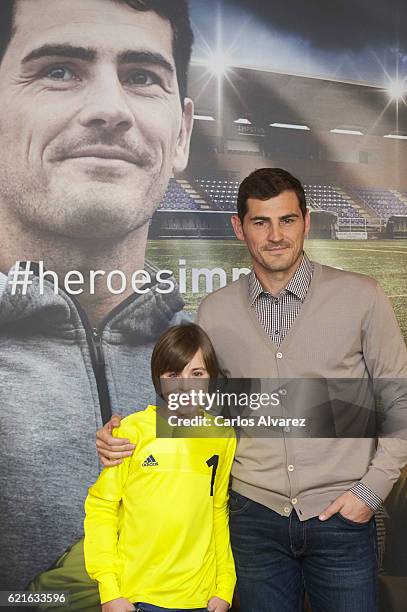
385	260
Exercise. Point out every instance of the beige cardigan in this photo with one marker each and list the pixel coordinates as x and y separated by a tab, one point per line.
346	329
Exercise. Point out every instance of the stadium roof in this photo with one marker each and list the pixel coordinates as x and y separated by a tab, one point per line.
265	97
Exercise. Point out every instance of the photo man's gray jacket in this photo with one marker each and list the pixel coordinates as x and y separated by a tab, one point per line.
59	381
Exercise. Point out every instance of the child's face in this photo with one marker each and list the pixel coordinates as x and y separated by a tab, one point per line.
194	377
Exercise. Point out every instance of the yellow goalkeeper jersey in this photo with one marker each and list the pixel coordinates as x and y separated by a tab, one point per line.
156	526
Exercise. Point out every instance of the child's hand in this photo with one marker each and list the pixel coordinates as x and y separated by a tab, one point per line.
118	605
216	604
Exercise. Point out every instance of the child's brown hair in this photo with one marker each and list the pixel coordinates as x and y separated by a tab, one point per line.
176	347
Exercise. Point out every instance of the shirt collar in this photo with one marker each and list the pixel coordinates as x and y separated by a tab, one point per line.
298	285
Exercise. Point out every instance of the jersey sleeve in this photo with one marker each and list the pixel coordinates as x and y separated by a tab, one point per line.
225	567
102	522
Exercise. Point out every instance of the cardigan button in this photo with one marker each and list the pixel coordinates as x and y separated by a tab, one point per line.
279	355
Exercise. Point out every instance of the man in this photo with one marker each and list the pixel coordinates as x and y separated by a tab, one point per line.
94	123
302	510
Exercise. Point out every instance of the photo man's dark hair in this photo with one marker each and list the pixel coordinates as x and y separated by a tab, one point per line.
175	11
267	183
176	347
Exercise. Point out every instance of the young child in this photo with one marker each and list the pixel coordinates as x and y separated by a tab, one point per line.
156	527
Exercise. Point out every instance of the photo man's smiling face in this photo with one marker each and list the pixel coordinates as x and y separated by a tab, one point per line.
92	125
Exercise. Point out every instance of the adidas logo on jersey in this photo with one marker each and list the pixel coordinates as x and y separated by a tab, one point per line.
149	461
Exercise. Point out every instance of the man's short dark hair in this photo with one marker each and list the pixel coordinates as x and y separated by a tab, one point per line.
267	183
175	11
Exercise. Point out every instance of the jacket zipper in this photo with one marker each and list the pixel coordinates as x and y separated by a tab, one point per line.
95	345
97	339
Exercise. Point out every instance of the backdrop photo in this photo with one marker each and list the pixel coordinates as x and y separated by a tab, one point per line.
125	131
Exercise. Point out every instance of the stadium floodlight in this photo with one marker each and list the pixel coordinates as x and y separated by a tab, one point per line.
243	121
346	131
204	118
396	136
218	63
397	89
290	126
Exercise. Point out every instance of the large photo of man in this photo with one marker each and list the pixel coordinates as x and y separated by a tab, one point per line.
121	160
94	122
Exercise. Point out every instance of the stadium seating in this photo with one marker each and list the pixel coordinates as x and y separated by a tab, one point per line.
326	197
221	192
382	201
176	198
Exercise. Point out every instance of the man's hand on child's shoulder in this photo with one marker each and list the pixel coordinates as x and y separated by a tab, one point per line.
118	605
216	604
112	450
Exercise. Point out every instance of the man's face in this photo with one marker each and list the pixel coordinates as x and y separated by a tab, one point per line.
91	127
274	231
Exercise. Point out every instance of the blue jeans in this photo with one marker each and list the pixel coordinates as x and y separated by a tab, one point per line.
145	607
277	558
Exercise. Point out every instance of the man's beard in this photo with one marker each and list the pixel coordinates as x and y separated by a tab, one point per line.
277	263
89	210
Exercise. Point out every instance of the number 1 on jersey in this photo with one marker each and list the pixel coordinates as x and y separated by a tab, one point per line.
213	462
